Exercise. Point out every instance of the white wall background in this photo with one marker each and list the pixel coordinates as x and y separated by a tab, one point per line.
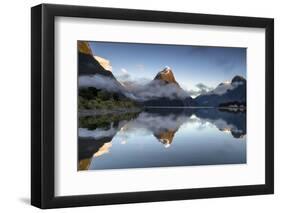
15	105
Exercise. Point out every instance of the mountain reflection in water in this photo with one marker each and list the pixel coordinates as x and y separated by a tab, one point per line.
162	137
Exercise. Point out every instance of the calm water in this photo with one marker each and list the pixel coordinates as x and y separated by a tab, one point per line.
161	138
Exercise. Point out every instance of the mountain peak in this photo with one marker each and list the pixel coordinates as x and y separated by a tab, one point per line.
166	137
104	63
238	78
166	75
84	47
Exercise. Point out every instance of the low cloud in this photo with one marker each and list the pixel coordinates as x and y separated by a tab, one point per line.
123	70
201	89
97	133
124	75
141	89
99	82
224	87
156	89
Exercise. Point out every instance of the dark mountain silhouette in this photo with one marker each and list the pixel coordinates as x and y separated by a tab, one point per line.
93	145
189	101
88	64
87	148
163	90
238	79
161	102
225	94
226	121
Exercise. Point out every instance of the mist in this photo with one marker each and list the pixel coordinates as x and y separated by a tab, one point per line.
155	89
139	90
99	82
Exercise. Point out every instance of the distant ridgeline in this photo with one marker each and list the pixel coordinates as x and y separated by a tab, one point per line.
99	89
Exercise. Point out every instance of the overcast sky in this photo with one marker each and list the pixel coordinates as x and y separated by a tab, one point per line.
191	65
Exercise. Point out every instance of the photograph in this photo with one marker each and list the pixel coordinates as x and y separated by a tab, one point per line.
181	101
146	105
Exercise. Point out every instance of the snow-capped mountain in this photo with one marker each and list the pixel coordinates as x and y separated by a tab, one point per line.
164	90
167	76
233	92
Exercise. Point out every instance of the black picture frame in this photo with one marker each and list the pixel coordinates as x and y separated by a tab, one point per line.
43	102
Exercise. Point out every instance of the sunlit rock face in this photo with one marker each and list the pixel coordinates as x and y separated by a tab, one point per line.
104	63
90	65
167	76
84	164
103	150
166	137
164	90
84	47
88	147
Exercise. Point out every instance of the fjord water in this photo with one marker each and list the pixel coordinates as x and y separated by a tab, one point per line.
162	137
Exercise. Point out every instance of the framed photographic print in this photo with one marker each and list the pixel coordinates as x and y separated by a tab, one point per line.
140	106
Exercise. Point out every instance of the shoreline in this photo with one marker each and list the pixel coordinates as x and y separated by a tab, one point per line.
118	111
